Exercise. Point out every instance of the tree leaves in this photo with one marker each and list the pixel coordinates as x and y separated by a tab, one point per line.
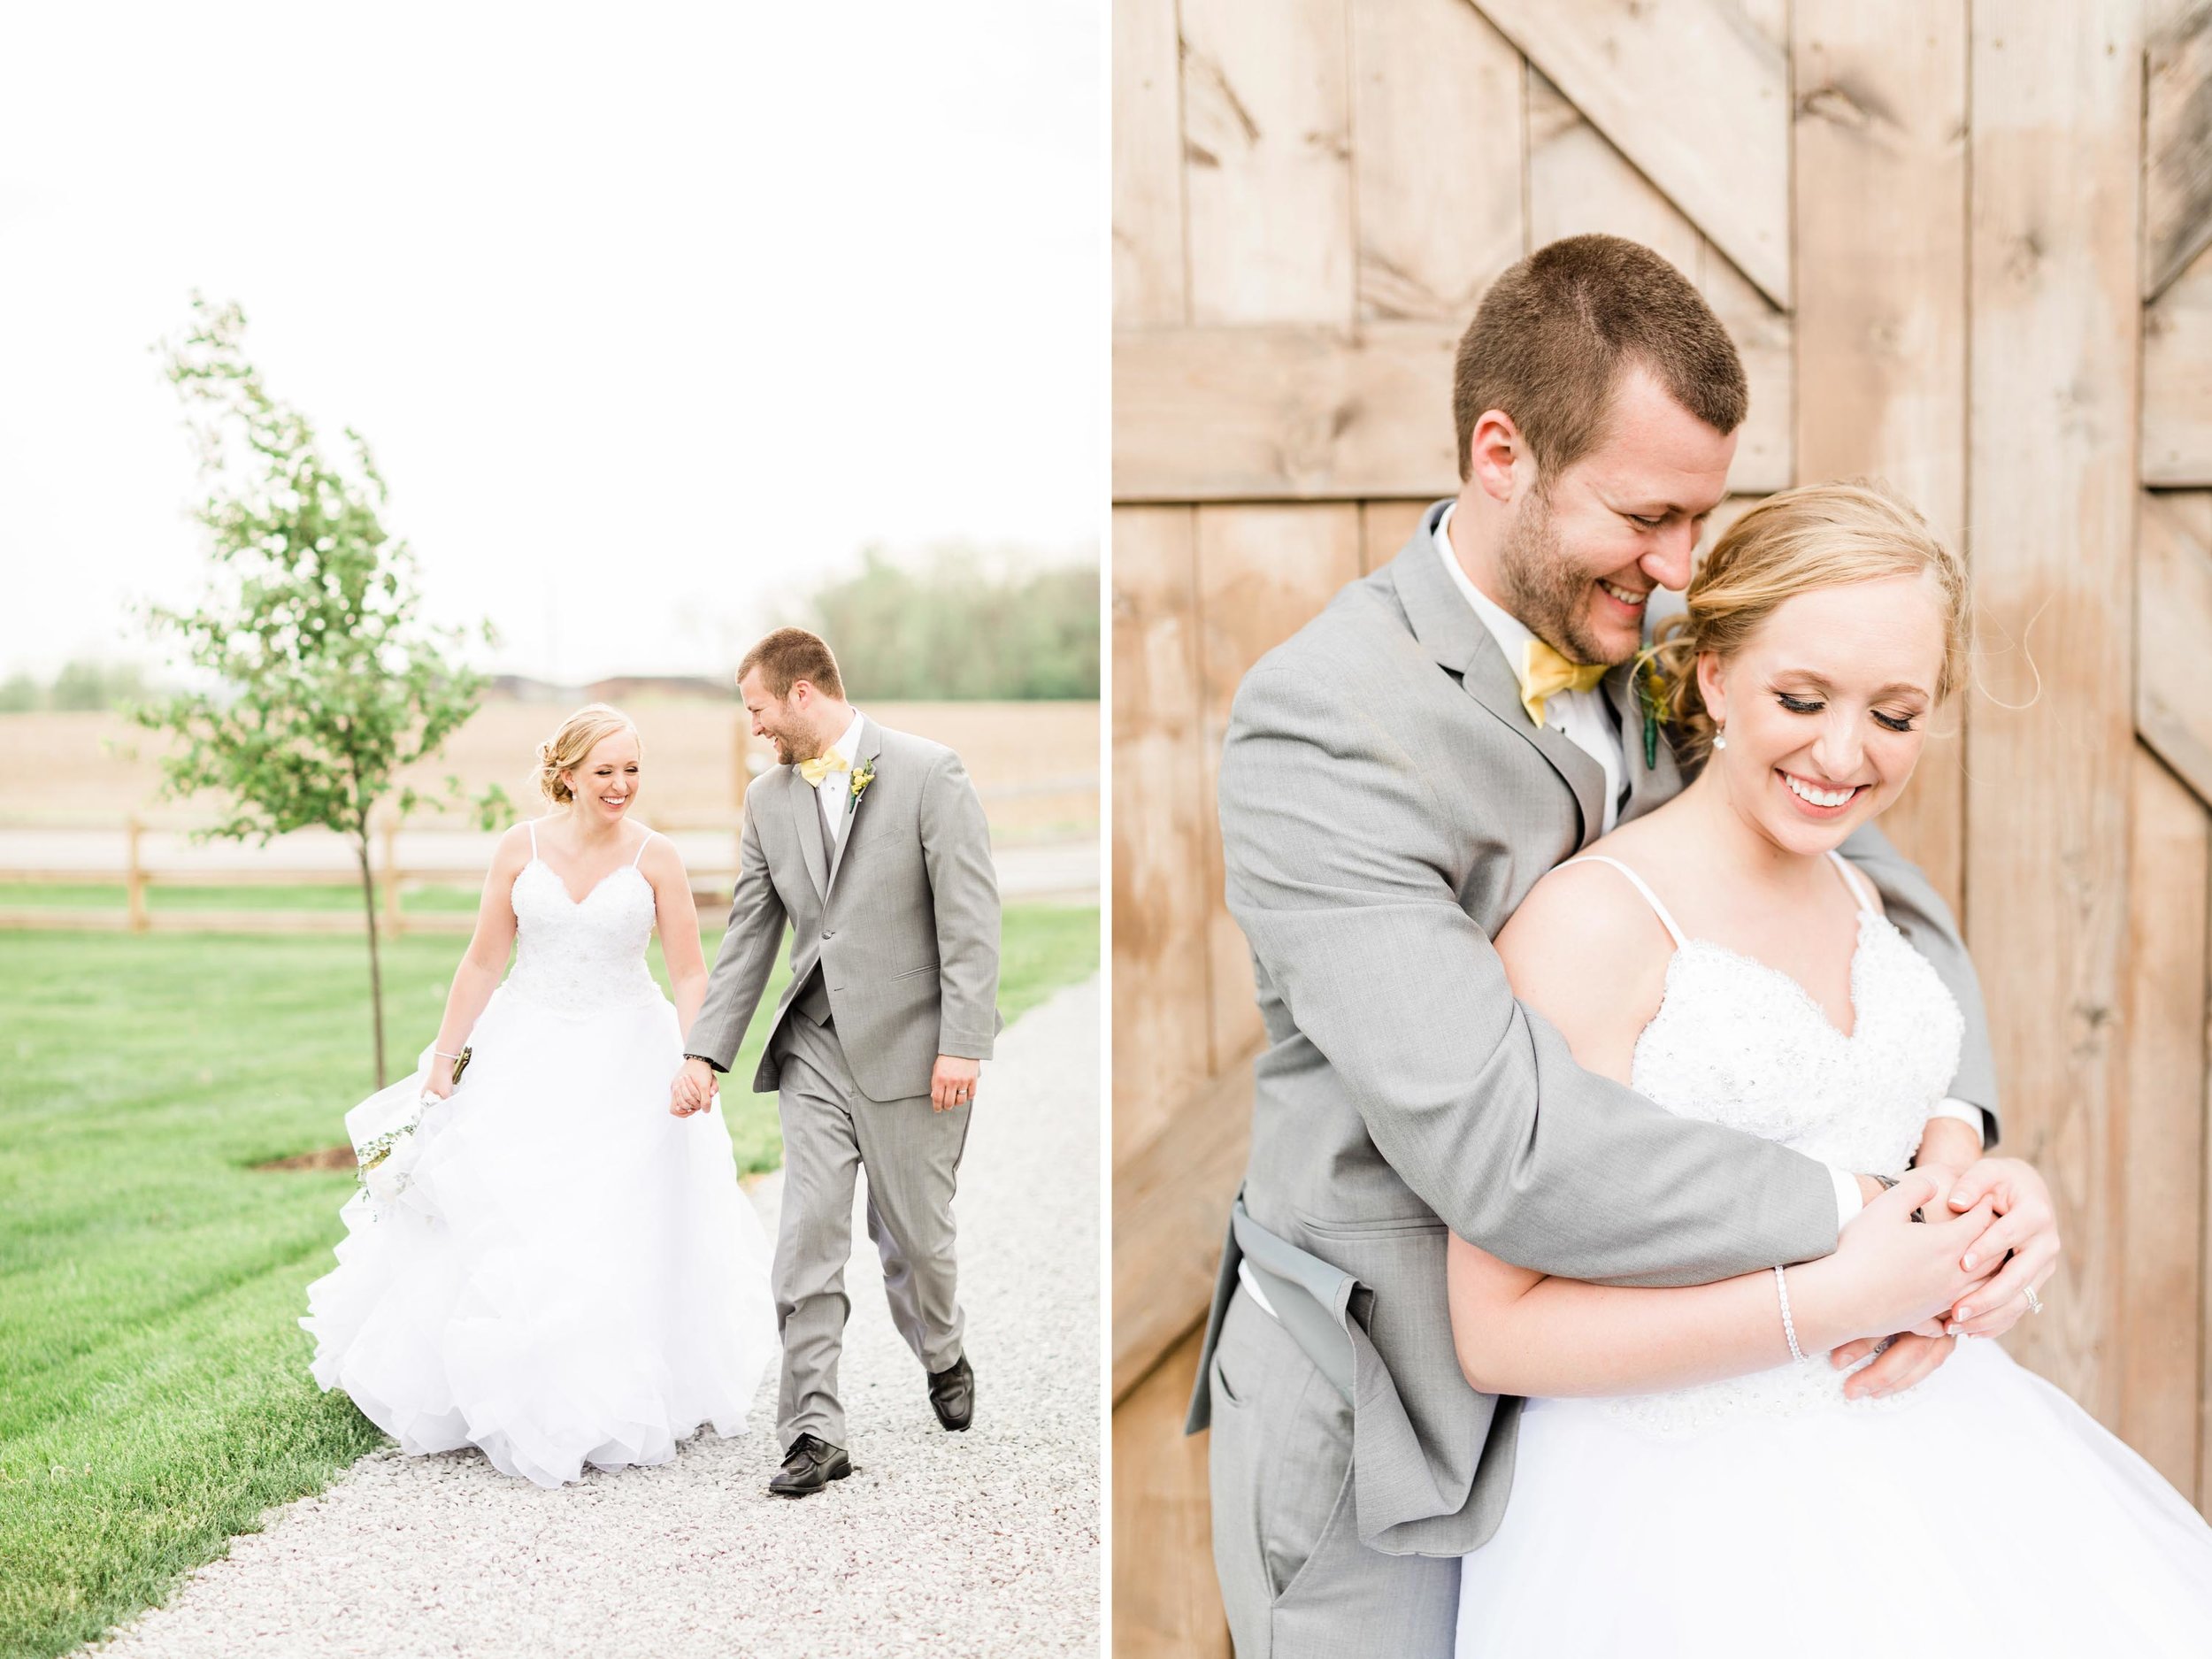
329	680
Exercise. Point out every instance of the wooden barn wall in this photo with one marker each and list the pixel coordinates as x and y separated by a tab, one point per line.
1968	250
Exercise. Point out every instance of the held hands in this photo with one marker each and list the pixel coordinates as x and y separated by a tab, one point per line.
693	1091
2026	1226
1889	1273
952	1082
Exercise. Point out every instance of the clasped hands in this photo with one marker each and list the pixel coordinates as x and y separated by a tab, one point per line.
952	1082
1994	1240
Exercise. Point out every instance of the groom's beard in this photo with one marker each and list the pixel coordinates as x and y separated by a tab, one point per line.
1544	591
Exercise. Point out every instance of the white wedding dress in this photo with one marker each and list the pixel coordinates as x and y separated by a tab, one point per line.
1982	1512
570	1275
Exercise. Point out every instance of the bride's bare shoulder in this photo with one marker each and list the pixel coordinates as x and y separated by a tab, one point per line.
1585	950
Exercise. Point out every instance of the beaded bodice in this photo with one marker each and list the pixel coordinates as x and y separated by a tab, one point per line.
1737	1042
578	956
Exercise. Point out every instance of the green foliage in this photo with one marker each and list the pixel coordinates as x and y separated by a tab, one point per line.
328	679
20	694
955	631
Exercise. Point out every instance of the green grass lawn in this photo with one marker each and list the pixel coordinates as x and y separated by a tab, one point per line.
154	1393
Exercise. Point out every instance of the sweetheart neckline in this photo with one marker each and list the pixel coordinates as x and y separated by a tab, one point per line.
573	901
1858	952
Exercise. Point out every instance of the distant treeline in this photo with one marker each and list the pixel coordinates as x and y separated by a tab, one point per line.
954	630
77	686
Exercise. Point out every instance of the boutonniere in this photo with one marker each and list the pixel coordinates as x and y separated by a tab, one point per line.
863	774
1651	698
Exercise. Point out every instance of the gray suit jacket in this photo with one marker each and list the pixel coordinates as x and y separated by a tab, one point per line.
1385	804
903	926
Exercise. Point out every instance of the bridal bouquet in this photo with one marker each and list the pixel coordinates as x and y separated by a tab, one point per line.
386	1143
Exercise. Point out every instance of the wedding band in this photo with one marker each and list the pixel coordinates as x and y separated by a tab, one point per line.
2035	1303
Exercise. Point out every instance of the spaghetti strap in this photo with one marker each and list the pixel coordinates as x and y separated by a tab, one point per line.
1650	898
641	846
1852	879
532	825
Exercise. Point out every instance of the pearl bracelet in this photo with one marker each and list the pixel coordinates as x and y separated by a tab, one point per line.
1789	1325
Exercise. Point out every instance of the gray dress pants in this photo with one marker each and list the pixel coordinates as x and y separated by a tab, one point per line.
912	1156
1295	1580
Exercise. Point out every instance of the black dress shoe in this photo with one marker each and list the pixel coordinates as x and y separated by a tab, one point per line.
952	1394
812	1463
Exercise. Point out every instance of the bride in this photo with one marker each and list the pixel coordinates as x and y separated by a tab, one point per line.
550	1265
1694	1475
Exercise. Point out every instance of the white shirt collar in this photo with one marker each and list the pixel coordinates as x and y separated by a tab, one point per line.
1511	636
846	746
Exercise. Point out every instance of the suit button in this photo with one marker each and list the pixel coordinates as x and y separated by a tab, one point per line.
830	935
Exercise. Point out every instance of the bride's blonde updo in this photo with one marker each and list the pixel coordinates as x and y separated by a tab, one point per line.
1819	535
581	732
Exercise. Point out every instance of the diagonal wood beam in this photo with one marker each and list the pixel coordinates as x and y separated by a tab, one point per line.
2177	140
2173	622
1694	94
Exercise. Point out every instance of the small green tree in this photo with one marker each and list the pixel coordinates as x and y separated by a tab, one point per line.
327	680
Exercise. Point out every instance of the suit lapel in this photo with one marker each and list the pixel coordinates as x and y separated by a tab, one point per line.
871	746
1454	637
806	822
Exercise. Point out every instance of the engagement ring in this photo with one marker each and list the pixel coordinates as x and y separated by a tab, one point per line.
2035	1303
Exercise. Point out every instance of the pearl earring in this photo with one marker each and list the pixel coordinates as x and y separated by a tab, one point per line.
1720	738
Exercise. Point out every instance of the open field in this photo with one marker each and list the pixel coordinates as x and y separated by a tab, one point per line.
154	1398
695	757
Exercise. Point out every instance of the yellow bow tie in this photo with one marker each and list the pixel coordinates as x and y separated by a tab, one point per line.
820	767
1543	671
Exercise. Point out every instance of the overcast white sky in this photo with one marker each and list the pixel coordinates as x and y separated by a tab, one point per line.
653	314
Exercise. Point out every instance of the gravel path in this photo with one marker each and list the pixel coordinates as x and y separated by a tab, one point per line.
981	1543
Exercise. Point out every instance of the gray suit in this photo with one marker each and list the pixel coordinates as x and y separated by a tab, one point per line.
1385	804
894	961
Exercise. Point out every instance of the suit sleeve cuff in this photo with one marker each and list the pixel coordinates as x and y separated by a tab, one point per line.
1966	1112
1849	1201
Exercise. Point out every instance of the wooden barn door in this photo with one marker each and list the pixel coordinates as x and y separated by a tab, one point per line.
1965	249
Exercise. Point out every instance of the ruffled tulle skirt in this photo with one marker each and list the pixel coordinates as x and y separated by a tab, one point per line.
1981	1513
571	1275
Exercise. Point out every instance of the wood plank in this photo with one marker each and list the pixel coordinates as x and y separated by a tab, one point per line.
2173	675
1578	182
1147	161
2053	386
1161	998
2177	385
1267	151
2161	1288
1436	110
1273	414
1717	144
1385	527
1171	1198
1166	1603
2177	140
1881	308
1262	572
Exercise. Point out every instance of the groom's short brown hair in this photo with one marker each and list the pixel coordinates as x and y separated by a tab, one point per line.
1551	335
788	656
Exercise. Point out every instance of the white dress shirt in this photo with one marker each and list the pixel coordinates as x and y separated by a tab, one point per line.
835	790
1583	718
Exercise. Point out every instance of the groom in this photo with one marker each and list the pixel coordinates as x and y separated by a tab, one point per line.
1395	779
871	845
